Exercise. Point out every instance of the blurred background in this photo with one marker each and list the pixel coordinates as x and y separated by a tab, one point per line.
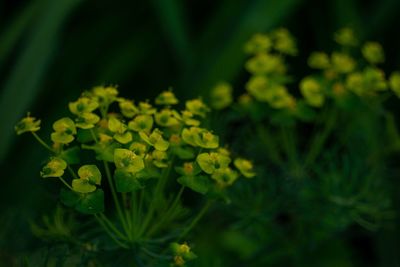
52	50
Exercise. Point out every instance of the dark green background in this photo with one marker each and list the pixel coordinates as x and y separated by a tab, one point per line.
52	50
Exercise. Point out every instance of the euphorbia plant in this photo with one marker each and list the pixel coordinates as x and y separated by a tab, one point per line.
142	157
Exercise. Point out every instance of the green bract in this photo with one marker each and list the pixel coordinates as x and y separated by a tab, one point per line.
394	82
197	107
258	43
83	105
284	42
245	167
105	95
90	176
225	176
200	137
210	162
166	98
128	109
141	123
312	92
319	60
27	124
120	129
345	37
64	131
128	160
373	52
155	139
166	118
221	95
54	168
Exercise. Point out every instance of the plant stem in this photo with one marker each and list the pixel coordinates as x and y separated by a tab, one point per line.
110	234
43	143
115	197
320	139
196	219
71	171
167	213
65	183
111	226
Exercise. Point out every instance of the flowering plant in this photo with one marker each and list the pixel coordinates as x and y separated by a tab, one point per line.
142	157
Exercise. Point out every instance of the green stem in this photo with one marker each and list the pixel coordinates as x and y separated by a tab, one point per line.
65	183
110	234
112	226
93	135
196	219
269	145
167	213
320	139
43	143
71	171
115	197
289	145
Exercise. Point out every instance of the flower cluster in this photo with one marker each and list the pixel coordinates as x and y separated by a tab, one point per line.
339	76
140	140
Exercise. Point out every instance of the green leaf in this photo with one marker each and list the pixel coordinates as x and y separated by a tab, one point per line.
183	152
82	186
71	155
199	183
69	198
126	181
90	203
90	173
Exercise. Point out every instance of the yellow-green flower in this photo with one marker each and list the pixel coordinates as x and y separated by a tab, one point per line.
54	168
89	177
225	176
83	105
373	53
166	118
210	162
187	118
120	130
138	148
345	37
159	158
197	107
127	160
312	92
319	60
141	123
155	139
278	97
182	253
128	109
284	42
146	108
258	87
221	95
394	82
264	64
374	79
27	124
105	95
86	120
166	98
259	43
200	137
64	131
343	63
245	167
355	83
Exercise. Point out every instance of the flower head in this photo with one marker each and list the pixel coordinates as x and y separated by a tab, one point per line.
27	124
54	168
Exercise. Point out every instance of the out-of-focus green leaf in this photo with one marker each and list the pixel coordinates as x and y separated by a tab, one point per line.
228	61
173	22
24	81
